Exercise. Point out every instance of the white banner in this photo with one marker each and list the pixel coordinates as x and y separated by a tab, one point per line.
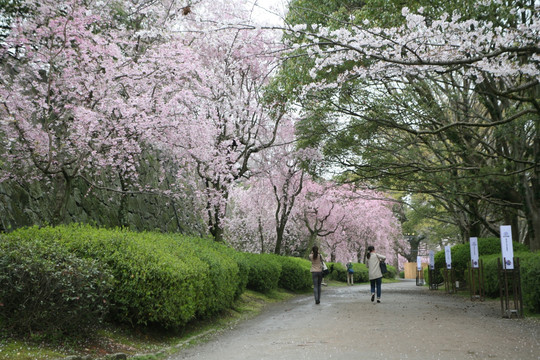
419	263
448	256
507	247
431	259
473	242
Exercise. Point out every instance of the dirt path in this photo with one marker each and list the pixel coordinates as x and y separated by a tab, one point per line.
412	322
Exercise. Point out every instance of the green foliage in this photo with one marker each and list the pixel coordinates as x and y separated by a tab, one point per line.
461	256
264	272
530	280
222	280
361	272
392	272
44	288
338	271
491	275
243	270
166	280
295	273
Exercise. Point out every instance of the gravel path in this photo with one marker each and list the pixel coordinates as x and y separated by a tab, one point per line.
412	322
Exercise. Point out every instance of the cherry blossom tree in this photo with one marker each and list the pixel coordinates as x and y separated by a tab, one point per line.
270	194
341	220
344	221
230	121
57	82
88	91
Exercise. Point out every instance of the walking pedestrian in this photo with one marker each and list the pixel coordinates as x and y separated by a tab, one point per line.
375	274
350	273
316	272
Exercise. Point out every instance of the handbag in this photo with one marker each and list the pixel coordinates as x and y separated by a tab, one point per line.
382	265
325	270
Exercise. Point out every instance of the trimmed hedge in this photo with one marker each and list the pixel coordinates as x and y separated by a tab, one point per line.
264	272
491	276
44	288
361	272
530	278
461	256
295	273
224	284
166	280
490	251
392	272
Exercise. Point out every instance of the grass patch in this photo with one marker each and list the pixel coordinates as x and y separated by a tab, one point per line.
23	350
140	344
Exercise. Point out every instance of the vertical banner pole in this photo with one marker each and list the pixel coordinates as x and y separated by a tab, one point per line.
431	271
501	285
506	292
481	281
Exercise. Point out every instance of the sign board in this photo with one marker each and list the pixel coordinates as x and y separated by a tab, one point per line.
419	263
448	256
473	242
431	259
507	247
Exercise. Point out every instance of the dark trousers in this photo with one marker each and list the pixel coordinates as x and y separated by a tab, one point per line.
317	280
376	283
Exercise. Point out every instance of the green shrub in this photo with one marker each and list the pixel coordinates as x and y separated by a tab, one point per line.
44	288
223	279
295	273
243	271
491	275
264	272
530	280
361	273
392	272
338	272
166	280
461	256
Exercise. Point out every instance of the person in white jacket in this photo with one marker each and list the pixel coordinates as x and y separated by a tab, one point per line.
375	274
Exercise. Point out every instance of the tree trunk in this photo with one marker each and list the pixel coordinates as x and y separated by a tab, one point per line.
279	239
261	236
215	213
217	232
312	240
214	222
123	211
63	190
533	219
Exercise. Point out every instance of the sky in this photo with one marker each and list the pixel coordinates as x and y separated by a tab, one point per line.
269	12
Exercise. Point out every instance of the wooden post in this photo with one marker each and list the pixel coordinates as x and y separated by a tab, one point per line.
431	278
476	281
450	281
510	289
